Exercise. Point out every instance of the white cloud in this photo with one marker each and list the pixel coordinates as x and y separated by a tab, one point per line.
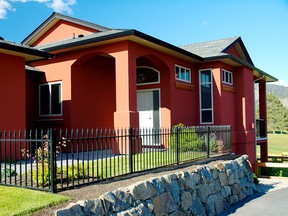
4	7
281	82
24	1
60	6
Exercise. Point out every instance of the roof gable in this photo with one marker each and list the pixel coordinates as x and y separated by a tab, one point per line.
58	27
220	49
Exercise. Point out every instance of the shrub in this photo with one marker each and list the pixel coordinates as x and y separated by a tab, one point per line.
76	172
256	180
188	139
7	171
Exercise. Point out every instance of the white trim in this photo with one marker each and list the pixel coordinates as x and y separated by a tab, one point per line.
212	96
225	81
50	98
151	90
186	68
157	71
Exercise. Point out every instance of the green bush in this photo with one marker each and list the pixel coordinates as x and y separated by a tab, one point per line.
256	180
41	175
76	172
188	139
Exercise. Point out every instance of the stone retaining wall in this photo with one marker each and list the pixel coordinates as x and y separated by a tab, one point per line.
205	190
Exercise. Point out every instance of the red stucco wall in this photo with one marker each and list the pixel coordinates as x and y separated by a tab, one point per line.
12	94
63	30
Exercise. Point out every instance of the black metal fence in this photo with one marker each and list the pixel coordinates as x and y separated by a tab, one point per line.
54	160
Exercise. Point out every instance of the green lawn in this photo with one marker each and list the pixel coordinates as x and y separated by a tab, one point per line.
277	143
19	201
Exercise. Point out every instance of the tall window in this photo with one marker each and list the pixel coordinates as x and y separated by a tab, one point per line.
206	97
50	99
182	73
227	77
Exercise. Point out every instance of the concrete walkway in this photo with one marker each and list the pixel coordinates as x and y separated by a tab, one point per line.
272	201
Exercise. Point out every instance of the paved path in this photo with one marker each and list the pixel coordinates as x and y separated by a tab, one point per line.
273	201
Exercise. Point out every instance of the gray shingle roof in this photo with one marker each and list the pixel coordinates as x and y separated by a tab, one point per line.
209	49
112	34
29	53
78	40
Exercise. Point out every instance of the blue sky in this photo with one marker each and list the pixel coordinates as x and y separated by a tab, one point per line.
262	24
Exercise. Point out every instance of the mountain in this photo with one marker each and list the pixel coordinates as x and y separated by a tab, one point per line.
280	91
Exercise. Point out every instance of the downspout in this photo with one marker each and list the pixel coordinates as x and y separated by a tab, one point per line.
255	159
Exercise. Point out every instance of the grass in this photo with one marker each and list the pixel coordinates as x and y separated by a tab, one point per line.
277	144
19	201
115	166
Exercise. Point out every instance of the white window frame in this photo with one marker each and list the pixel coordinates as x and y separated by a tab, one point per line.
50	98
212	97
186	71
227	77
149	83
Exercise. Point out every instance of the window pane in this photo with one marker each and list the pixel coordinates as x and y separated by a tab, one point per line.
147	75
205	76
230	78
188	78
182	74
44	100
56	98
206	96
177	72
206	116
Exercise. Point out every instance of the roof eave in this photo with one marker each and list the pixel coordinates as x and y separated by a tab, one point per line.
268	77
239	40
22	51
117	35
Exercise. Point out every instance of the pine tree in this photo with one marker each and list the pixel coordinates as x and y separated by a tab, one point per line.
277	114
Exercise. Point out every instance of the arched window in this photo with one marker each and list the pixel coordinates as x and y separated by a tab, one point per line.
147	75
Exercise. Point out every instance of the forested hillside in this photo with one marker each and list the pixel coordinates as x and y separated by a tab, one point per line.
277	107
277	114
280	91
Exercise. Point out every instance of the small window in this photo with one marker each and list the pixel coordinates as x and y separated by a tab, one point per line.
182	73
147	75
50	99
227	77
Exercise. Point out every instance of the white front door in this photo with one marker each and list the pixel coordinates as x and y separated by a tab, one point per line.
148	108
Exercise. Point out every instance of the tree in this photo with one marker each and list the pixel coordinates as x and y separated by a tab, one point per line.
277	114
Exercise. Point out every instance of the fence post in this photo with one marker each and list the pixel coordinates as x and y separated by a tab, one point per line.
52	161
208	142
177	145
130	131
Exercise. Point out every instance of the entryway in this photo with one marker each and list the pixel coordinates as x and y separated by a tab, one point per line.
148	103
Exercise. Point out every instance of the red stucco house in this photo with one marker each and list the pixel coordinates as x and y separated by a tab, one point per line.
102	77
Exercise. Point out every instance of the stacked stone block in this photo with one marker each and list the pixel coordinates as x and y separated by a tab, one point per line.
205	190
